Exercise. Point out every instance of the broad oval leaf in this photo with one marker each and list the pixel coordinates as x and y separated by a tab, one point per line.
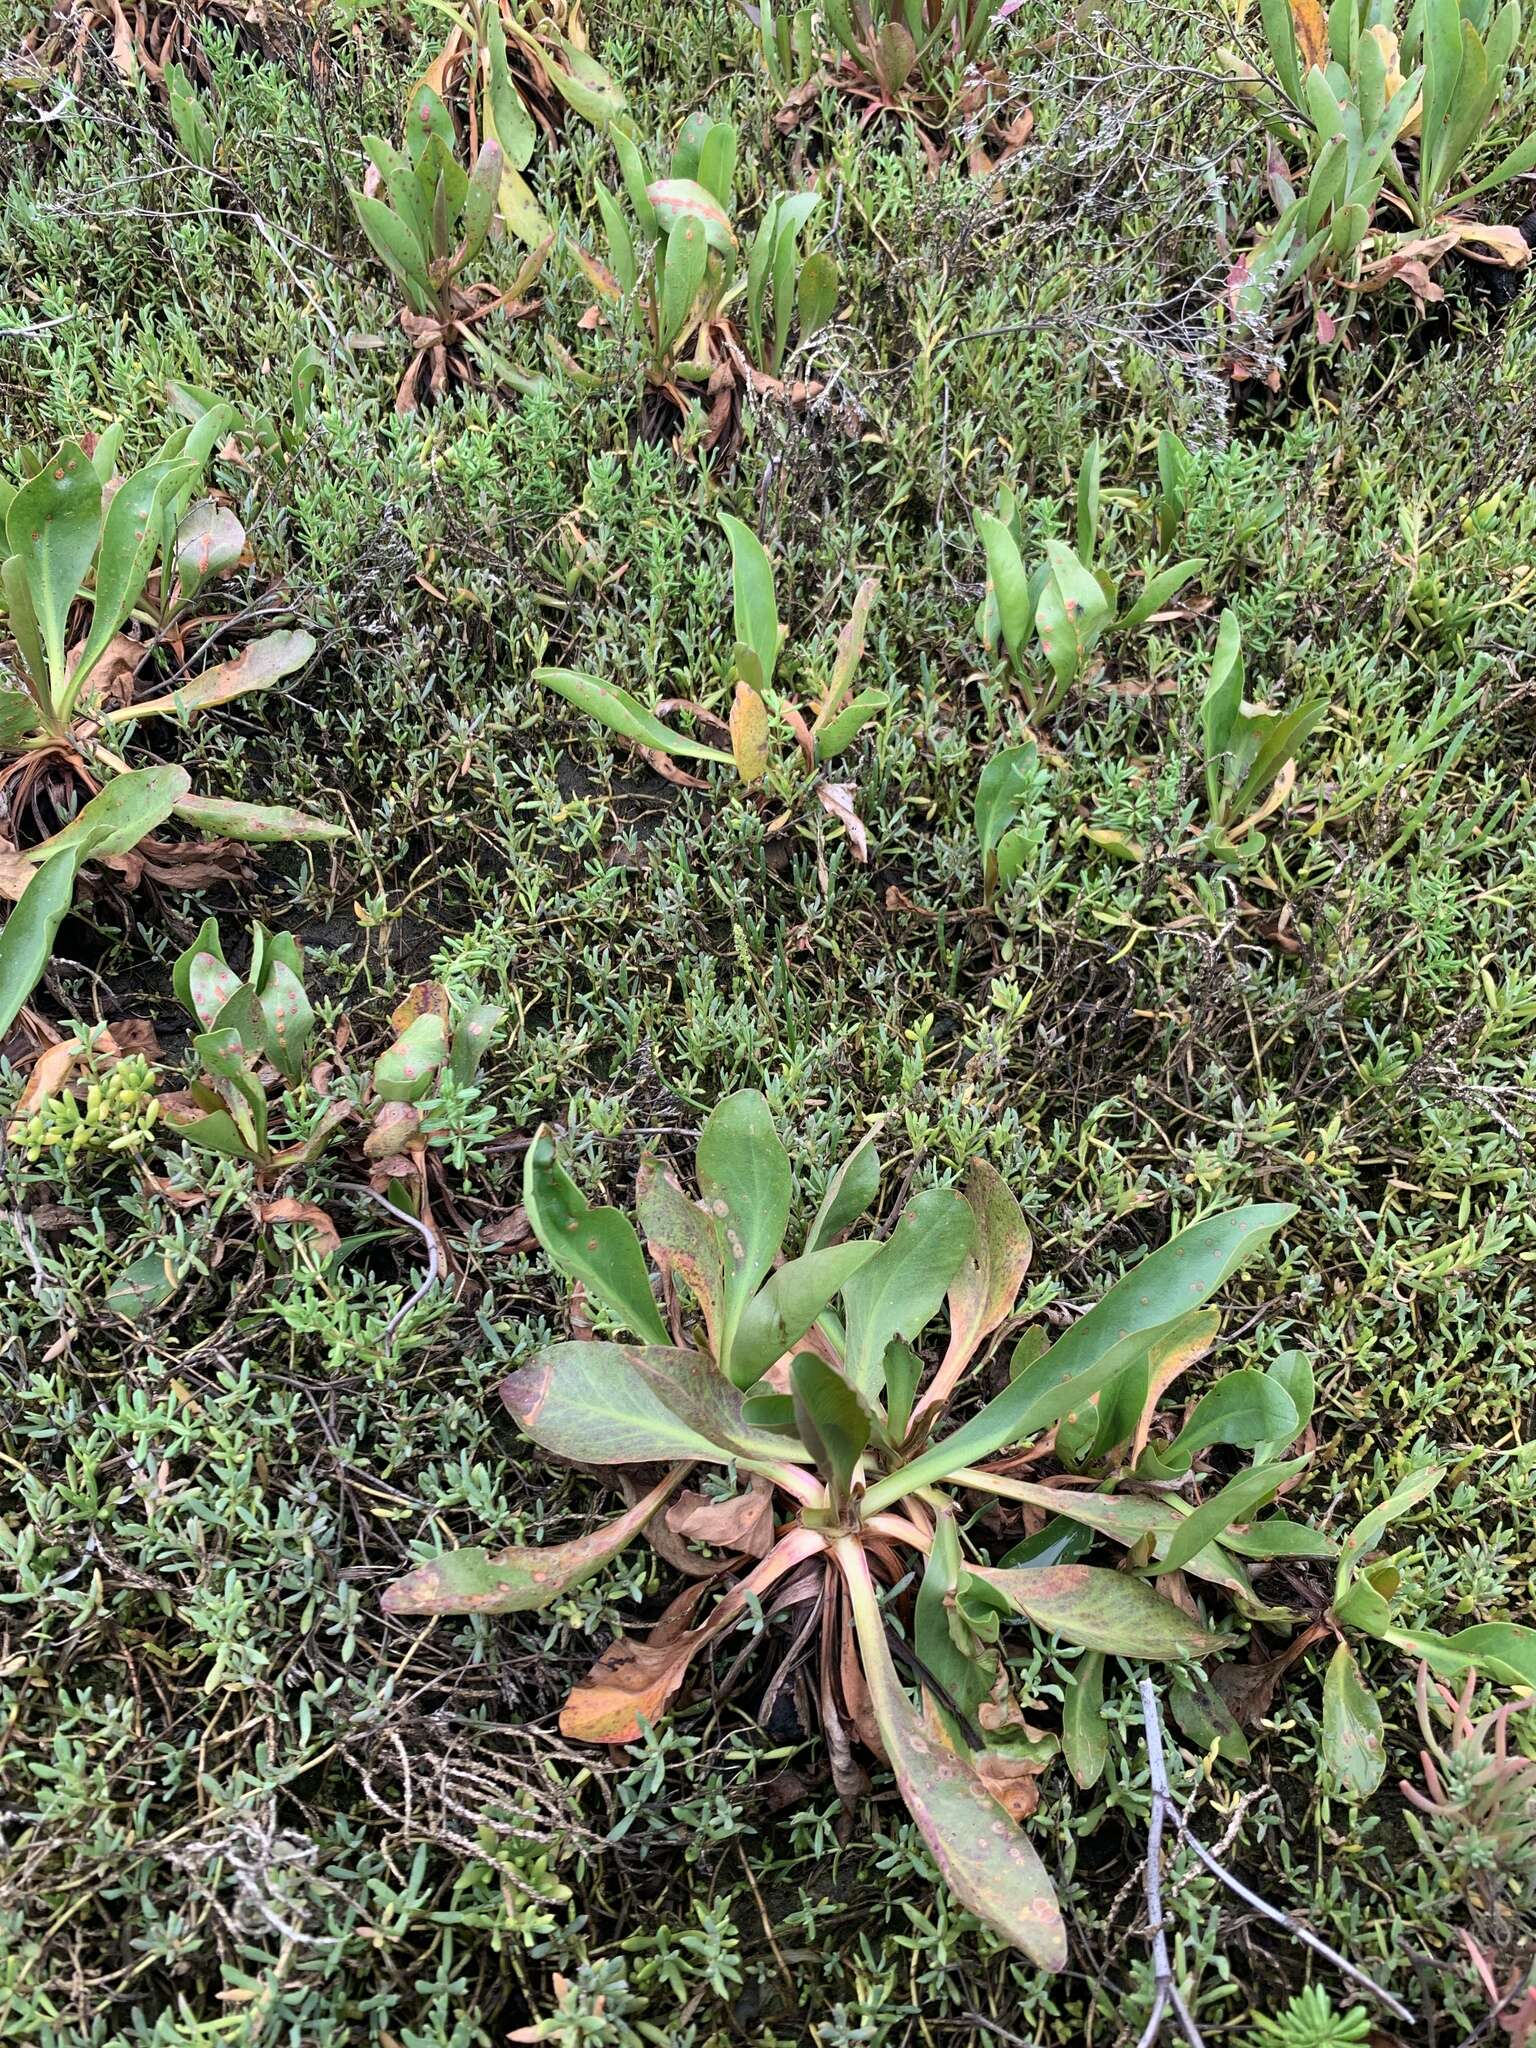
749	733
678	199
850	1193
1353	1751
407	1070
1102	1610
127	810
624	1404
983	1292
52	528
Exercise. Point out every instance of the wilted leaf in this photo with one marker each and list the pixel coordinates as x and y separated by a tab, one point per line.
257	666
288	1209
749	733
836	798
743	1523
516	1579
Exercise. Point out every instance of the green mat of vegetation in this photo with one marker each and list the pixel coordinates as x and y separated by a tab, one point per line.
692	599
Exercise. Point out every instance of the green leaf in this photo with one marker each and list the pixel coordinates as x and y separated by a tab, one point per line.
1205	1717
407	1070
1101	1610
472	1037
623	714
687	258
623	1404
288	1020
844	727
1279	1537
784	1308
1353	1751
1070	615
745	1180
1281	742
817	292
515	1580
756	612
1154	1295
185	967
1367	1532
1504	1651
1003	785
941	1638
831	1420
479	208
259	824
621	246
982	1855
510	122
1089	472
1009	585
1160	589
52	528
1084	1737
130	535
598	1247
125	811
26	939
18	715
850	1194
142	1287
900	1288
902	1370
1243	1408
23	623
1219	709
717	162
632	169
398	248
1235	1502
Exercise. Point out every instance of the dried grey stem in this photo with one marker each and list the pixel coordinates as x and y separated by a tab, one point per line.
1165	1807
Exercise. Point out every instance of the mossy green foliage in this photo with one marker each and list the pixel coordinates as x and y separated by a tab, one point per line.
242	1803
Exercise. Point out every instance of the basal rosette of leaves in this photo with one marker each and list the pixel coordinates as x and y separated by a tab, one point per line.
812	1378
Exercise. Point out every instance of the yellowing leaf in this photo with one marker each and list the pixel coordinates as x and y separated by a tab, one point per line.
1311	22
749	733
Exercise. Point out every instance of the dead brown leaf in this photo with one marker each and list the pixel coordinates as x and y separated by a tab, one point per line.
287	1209
836	798
743	1523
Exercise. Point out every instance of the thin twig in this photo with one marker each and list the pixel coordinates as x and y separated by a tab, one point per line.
1164	1805
1168	1992
434	1261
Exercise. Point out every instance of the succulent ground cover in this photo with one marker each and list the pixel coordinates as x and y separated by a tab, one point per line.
1146	914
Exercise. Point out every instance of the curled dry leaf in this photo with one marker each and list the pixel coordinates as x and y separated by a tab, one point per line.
743	1523
836	798
288	1209
50	1072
